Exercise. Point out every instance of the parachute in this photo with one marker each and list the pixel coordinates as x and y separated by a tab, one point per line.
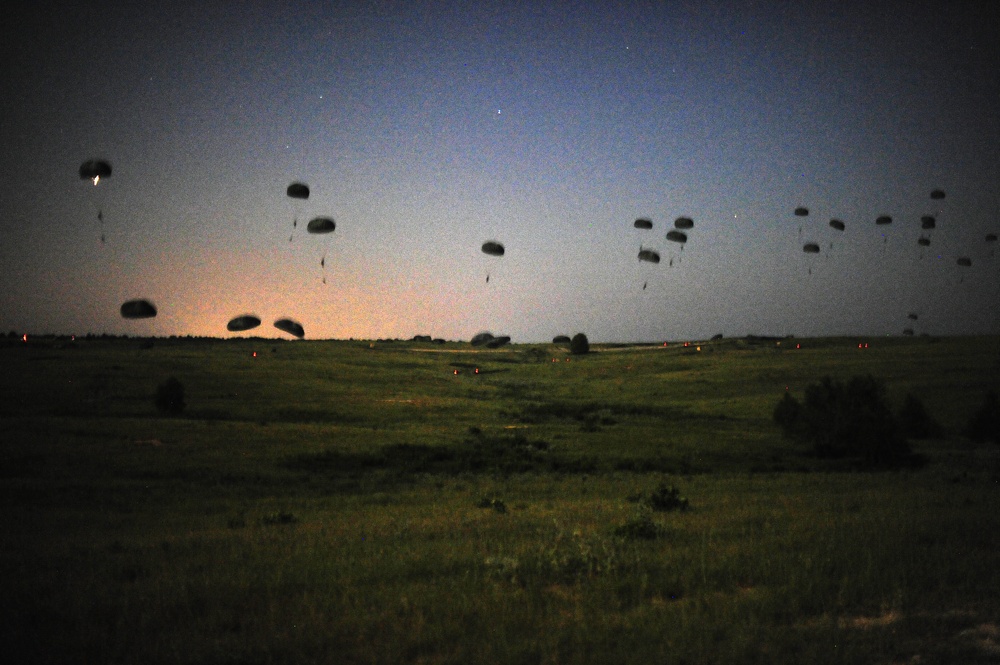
300	192
964	261
937	194
684	223
481	338
810	248
321	225
801	212
923	241
243	322
94	170
643	223
290	327
138	309
912	316
928	222
493	248
991	237
677	236
837	224
882	220
561	339
908	332
649	255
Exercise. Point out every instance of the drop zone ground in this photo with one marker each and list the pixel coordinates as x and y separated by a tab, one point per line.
335	501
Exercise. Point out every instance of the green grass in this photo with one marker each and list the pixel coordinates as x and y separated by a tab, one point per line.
332	502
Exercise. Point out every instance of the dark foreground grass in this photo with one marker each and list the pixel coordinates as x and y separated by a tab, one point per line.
338	503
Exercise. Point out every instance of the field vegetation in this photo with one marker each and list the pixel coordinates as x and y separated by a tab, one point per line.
262	501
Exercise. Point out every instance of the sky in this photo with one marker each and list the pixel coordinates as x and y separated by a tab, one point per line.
425	129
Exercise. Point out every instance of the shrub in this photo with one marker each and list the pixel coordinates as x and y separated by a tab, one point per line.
915	422
841	419
170	396
984	425
579	344
666	498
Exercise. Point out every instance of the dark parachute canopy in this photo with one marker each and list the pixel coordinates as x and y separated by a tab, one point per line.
243	322
810	248
650	255
684	223
991	237
561	339
924	241
801	212
318	225
643	223
937	194
964	261
493	248
290	327
677	236
882	220
95	169
481	338
837	224
138	309
298	190
497	342
928	222
912	316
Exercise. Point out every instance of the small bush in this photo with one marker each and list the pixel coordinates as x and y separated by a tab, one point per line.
490	502
640	527
984	425
170	396
665	499
579	344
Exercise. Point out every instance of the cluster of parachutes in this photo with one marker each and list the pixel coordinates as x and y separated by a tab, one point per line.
678	234
96	171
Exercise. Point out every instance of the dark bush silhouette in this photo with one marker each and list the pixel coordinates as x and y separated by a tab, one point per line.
915	422
984	425
579	344
170	396
844	420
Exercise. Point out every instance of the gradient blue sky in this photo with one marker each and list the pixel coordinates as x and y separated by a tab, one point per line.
427	128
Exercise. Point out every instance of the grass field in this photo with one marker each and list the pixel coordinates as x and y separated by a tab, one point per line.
361	502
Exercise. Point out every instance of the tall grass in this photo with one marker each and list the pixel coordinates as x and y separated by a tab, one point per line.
328	502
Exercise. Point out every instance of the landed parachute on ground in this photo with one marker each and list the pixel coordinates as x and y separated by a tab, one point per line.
138	309
481	338
684	223
497	342
243	322
291	327
643	223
